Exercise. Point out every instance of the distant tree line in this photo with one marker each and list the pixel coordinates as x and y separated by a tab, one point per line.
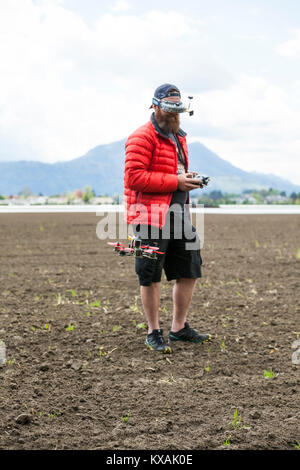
249	196
212	198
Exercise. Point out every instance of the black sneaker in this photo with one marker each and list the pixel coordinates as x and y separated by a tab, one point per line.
188	334
155	341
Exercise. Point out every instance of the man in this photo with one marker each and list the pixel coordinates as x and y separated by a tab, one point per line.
156	190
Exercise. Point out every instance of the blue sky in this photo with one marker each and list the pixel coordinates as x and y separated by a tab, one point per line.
78	73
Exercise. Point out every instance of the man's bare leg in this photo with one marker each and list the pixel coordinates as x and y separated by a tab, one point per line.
182	294
150	296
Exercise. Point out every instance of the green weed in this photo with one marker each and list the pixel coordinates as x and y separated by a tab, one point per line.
70	327
125	418
116	328
237	422
139	325
268	374
73	292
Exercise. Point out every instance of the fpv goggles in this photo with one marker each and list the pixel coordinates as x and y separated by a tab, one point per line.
171	106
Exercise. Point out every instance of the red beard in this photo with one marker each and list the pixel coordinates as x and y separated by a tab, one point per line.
168	122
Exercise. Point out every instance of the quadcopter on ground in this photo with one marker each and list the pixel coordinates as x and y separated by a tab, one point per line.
135	248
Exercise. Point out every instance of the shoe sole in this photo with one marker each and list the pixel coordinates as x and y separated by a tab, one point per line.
167	350
170	340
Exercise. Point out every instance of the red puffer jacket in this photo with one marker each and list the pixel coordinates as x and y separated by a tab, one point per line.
150	174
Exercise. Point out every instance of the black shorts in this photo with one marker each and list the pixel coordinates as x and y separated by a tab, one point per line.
181	256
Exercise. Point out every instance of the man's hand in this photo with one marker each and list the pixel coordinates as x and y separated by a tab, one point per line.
185	183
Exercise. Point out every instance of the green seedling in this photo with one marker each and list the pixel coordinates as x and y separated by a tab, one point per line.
42	228
47	326
268	374
237	422
170	379
10	362
227	442
256	243
125	418
139	325
70	327
73	292
102	332
297	445
239	294
163	309
102	352
207	368
223	346
37	298
134	308
96	303
116	328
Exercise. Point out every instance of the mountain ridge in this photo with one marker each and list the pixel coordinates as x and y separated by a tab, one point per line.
102	168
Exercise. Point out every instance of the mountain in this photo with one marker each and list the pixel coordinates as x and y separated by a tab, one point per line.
102	168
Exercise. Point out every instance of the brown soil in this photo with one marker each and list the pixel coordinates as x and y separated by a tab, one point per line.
75	366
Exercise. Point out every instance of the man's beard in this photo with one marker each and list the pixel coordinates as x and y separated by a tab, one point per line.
168	122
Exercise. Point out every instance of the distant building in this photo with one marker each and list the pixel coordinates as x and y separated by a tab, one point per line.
102	200
276	198
246	199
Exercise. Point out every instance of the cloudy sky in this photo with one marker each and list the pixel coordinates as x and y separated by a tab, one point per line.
75	74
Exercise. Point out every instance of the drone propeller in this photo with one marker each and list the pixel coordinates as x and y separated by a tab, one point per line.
152	247
150	250
116	244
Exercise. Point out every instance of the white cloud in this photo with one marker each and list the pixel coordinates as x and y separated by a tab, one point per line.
290	48
70	86
252	125
67	86
121	6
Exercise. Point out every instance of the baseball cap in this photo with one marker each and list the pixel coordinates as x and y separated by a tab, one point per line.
163	91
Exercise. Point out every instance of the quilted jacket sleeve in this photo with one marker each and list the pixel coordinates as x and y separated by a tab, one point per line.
138	151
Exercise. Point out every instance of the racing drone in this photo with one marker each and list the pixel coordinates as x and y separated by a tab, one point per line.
135	248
